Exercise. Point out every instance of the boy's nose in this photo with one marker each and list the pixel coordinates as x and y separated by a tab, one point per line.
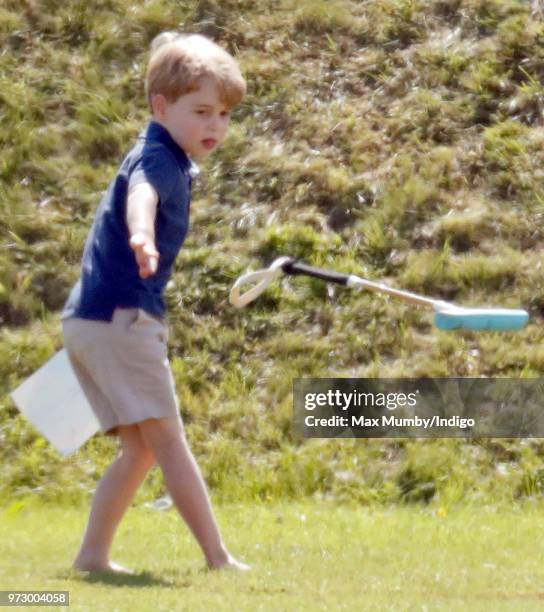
214	124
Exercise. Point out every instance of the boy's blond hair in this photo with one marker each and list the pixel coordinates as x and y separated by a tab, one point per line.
178	62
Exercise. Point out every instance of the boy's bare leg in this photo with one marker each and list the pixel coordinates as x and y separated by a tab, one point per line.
166	440
113	495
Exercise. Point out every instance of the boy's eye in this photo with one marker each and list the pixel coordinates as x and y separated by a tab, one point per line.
201	111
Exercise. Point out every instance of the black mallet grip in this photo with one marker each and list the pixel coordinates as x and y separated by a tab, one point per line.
295	267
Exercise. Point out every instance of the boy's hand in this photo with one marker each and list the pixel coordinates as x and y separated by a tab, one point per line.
147	256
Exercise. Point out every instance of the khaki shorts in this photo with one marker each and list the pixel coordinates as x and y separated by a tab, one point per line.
122	367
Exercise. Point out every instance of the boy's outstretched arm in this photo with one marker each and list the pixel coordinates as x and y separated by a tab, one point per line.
141	211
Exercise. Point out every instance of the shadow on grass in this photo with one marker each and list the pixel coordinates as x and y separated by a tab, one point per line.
140	579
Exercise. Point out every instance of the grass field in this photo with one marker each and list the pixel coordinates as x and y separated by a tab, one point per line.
401	140
304	556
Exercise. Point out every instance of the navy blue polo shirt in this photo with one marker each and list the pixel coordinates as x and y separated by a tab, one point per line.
109	272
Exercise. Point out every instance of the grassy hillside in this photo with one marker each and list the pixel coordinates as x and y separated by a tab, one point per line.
400	140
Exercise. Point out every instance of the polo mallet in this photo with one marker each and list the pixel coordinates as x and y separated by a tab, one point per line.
447	316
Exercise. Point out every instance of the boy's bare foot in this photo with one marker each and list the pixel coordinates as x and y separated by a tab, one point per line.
110	566
230	563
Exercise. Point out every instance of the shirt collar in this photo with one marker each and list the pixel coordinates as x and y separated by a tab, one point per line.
194	170
155	131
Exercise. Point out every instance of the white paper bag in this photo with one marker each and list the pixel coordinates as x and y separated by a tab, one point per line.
52	400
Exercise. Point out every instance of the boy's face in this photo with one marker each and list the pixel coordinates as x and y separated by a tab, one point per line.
197	121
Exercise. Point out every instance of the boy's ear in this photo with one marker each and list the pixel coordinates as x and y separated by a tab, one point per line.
158	105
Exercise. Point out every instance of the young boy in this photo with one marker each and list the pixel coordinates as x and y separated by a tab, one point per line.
113	324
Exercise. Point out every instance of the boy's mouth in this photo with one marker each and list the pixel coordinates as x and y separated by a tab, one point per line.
209	143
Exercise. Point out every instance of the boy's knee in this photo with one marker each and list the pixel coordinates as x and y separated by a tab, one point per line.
134	451
160	434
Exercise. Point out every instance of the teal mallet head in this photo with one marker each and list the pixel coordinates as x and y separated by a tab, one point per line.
480	319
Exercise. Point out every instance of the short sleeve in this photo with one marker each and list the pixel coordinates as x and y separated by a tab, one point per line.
158	167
